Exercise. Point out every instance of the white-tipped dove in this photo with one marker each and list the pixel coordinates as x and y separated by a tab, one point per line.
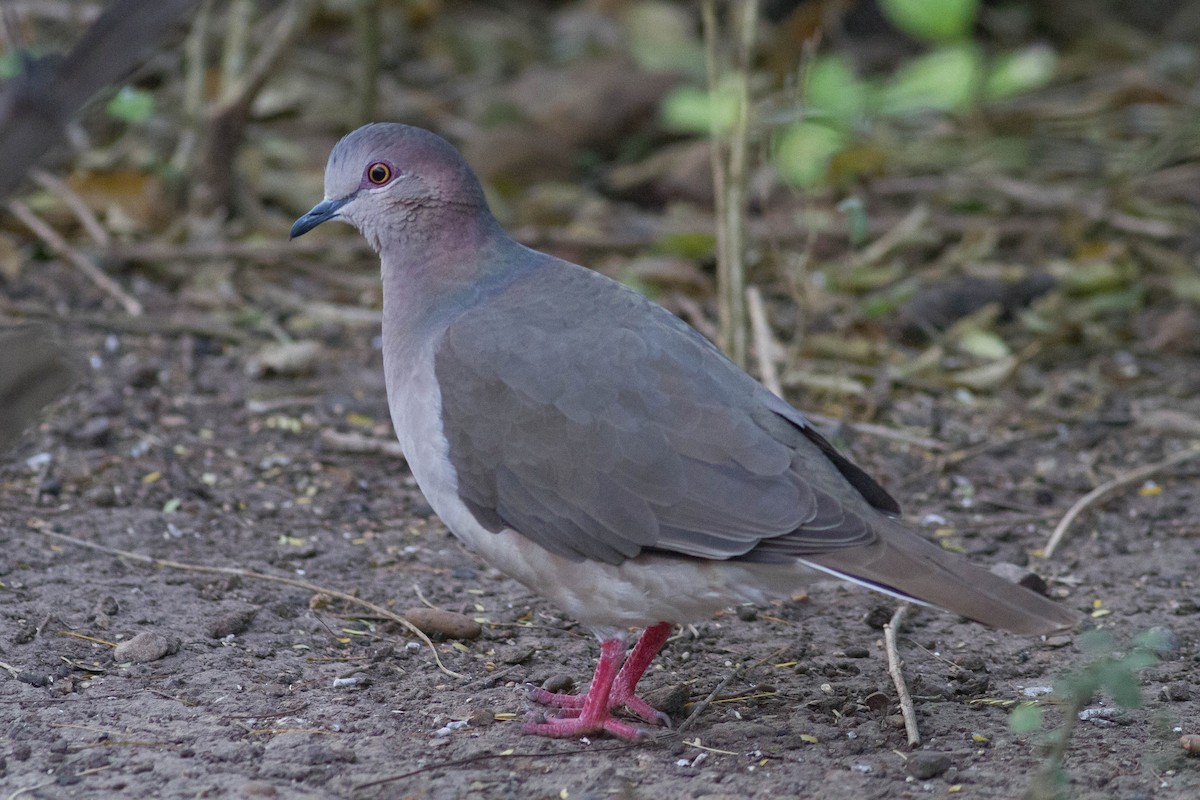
591	445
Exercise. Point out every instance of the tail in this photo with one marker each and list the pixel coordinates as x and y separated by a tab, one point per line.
902	563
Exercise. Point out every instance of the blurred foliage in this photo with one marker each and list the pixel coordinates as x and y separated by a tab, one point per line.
131	105
1109	670
946	196
838	106
934	20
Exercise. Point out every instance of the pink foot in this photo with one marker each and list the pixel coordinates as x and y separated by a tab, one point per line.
591	713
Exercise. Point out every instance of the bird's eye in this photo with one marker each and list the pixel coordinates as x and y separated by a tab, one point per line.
379	173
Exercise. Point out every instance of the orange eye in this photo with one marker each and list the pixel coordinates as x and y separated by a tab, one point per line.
379	173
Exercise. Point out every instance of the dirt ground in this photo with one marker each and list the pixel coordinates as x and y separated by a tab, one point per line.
169	448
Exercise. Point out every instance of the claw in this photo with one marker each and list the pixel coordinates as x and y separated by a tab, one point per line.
590	713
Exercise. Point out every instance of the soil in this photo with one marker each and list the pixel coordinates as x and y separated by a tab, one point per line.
169	448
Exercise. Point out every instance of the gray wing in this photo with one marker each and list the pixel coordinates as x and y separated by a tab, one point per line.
598	425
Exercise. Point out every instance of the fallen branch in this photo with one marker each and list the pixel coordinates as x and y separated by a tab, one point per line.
84	264
1105	489
245	573
895	669
79	208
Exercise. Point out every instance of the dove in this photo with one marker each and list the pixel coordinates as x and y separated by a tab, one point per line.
596	448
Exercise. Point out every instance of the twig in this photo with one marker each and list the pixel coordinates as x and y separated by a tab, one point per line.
735	208
358	444
728	159
882	432
895	669
712	696
84	264
764	343
368	34
903	231
87	219
1104	489
273	47
245	573
280	251
706	702
720	172
128	323
26	789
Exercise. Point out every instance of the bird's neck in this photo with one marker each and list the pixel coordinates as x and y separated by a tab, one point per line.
431	275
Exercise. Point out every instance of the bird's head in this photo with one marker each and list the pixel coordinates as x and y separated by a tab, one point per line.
393	179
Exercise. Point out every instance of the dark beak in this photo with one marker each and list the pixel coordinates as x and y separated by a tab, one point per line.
321	212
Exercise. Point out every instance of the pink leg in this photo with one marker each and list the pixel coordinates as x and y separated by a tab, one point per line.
618	691
594	715
647	647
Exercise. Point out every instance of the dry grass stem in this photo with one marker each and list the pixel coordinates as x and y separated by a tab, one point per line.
83	263
896	670
765	345
245	573
1105	489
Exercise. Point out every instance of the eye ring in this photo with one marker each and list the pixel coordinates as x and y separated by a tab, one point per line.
379	173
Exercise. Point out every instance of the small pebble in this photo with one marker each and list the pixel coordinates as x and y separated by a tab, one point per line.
879	616
448	624
103	496
971	661
671	699
352	682
1022	576
559	684
38	679
146	646
877	702
95	431
292	359
450	728
231	623
747	613
1176	692
924	765
480	718
106	605
1191	743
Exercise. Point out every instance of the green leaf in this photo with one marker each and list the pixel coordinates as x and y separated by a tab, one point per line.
1139	660
1121	684
694	245
1095	642
662	38
131	105
983	344
1020	72
804	150
942	80
1025	718
833	92
1156	640
690	109
932	20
